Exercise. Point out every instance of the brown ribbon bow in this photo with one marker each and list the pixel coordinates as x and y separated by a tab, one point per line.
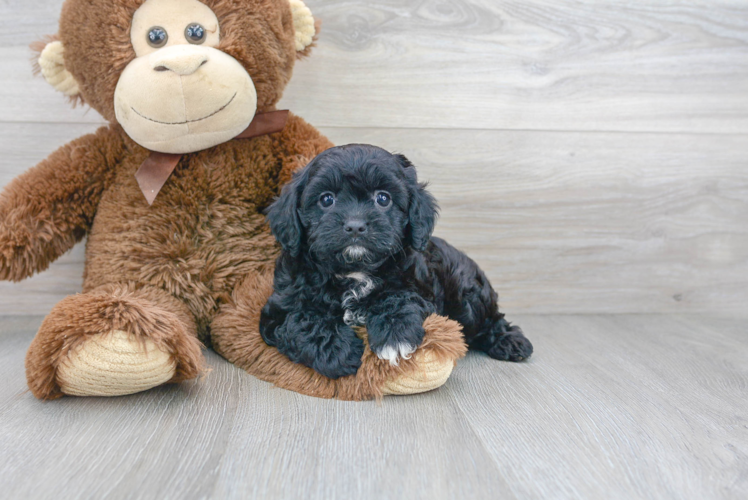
158	167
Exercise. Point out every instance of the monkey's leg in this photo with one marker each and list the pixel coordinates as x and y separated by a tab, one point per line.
111	341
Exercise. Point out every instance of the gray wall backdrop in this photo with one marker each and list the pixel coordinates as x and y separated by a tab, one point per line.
592	156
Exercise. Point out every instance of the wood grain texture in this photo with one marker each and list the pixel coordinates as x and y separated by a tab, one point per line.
581	222
621	406
23	21
560	221
513	111
676	66
642	406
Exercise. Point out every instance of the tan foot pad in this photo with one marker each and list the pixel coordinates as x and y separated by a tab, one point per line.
114	364
431	375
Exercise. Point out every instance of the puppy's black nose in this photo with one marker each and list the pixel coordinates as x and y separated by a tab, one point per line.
355	226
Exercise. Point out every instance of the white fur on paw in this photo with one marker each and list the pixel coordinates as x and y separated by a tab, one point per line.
394	353
354	318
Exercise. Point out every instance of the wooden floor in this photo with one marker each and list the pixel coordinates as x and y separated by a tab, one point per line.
611	406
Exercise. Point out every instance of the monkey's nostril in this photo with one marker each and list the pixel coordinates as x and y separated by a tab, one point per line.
204	63
161	68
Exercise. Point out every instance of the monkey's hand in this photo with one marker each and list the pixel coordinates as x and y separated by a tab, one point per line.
48	209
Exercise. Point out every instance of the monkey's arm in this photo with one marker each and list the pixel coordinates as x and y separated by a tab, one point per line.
49	208
296	146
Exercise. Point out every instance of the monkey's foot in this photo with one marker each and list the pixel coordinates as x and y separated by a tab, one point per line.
431	373
112	341
114	364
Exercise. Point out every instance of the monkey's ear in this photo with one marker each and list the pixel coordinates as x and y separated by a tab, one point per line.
52	65
304	25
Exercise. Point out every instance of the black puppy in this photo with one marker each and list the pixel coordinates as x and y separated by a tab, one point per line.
355	226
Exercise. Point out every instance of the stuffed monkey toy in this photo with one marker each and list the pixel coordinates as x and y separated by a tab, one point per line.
171	196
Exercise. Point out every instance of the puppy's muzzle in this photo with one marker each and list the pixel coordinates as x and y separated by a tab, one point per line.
354	253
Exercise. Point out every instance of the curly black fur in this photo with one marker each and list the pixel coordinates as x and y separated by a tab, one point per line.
369	258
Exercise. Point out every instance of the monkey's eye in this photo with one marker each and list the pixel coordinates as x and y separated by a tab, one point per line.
157	37
195	33
326	200
384	199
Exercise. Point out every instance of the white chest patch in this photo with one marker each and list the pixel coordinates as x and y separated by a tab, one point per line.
365	284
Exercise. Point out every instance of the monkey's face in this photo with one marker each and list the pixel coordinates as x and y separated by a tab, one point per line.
181	94
178	75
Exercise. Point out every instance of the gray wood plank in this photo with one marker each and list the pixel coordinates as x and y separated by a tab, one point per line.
28	98
614	65
581	222
22	22
640	406
623	406
26	144
109	448
561	222
418	447
676	66
230	436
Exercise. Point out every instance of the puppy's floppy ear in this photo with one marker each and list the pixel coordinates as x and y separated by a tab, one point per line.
283	214
422	210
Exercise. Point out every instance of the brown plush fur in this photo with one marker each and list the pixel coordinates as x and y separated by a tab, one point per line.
48	209
164	271
205	230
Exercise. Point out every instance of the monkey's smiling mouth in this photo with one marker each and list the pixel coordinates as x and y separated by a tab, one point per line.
188	121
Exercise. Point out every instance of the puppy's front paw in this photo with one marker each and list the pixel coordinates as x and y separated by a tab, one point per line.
394	340
321	343
393	352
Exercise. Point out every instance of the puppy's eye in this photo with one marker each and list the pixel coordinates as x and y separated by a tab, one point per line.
157	37
384	199
327	200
